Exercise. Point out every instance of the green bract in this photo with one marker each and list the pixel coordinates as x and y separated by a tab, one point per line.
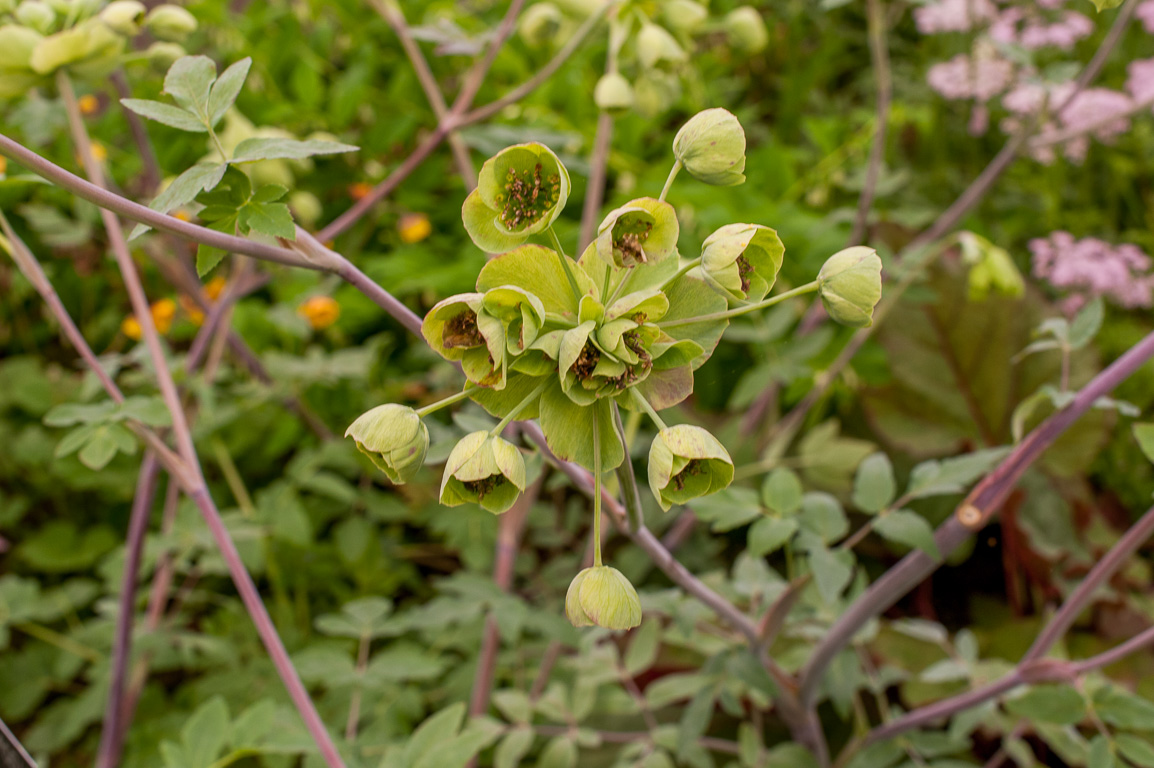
711	146
640	232
850	284
602	596
394	437
520	192
686	462
483	469
741	261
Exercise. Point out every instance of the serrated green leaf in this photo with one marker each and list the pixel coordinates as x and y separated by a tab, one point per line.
103	444
253	150
189	81
68	414
166	114
561	752
874	486
909	528
225	90
1059	704
513	748
770	534
821	513
439	728
831	572
945	476
147	410
207	257
205	733
183	190
782	491
1087	323
1123	709
273	219
269	193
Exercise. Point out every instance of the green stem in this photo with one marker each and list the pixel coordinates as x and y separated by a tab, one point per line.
645	406
681	272
676	169
565	265
627	478
596	492
520	407
63	642
216	142
431	407
807	288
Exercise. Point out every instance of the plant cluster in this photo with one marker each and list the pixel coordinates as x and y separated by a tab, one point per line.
624	326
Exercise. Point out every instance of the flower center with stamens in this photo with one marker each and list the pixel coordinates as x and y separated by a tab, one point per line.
633	342
694	467
586	361
484	486
744	270
528	195
629	238
461	331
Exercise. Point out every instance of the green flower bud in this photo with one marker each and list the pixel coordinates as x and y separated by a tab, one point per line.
656	92
170	23
656	46
992	270
7	6
850	285
459	328
741	261
684	16
686	462
613	94
711	146
37	15
124	16
16	46
520	192
602	596
539	24
483	469
746	30
306	207
90	42
643	231
394	437
161	56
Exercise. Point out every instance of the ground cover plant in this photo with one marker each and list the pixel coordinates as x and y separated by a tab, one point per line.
333	333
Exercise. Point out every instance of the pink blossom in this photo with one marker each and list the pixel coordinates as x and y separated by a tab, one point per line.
1145	13
1093	267
953	16
964	78
1062	34
1100	111
1140	82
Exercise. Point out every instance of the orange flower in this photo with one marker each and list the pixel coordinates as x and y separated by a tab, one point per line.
163	312
414	227
130	327
192	310
320	311
88	104
99	152
359	190
214	288
182	215
3	165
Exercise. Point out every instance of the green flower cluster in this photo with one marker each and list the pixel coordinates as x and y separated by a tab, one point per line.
89	37
569	342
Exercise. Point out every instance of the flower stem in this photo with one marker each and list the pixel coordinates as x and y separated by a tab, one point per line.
431	407
520	407
565	265
645	406
596	492
681	272
807	288
676	169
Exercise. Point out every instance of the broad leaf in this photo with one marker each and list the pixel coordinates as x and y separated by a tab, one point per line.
1059	704
226	89
909	528
782	492
253	150
167	114
189	81
874	485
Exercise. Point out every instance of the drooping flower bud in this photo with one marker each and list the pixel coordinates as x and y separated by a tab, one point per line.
163	55
394	437
90	41
540	23
741	261
170	23
520	191
124	16
643	231
459	328
746	30
602	596
711	146
686	462
613	94
684	16
850	285
16	46
656	46
483	469
36	15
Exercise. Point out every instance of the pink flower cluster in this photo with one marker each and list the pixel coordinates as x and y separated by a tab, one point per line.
1091	267
987	74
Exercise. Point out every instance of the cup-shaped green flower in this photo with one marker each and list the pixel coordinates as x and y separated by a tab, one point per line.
850	285
483	469
394	437
540	23
656	46
602	596
684	16
124	16
520	192
741	261
711	146
613	93
643	231
459	328
686	462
